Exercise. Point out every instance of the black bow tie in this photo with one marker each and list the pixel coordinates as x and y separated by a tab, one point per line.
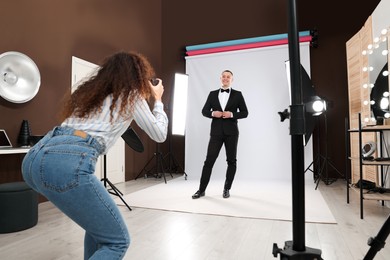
225	90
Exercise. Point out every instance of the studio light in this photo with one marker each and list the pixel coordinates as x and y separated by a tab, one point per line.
178	122
313	104
20	78
179	104
316	106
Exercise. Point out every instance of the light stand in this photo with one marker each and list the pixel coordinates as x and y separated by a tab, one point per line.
132	140
323	161
378	242
158	167
173	163
178	115
326	160
296	248
114	190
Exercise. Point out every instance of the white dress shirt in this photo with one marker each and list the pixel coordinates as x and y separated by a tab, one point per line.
223	98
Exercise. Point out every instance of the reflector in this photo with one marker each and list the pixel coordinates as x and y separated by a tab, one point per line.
19	77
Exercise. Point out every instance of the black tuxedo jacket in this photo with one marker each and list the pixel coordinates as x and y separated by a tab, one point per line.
236	104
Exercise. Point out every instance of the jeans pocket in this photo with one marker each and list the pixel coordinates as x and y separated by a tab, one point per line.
60	170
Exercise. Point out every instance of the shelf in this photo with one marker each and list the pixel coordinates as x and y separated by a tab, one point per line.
363	195
377	163
376	196
15	150
374	128
368	162
372	195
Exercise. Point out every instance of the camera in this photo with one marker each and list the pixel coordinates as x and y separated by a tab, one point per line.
154	81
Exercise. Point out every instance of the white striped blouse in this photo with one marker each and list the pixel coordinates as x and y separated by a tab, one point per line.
154	123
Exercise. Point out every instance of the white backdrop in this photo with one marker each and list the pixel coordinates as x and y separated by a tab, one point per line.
264	146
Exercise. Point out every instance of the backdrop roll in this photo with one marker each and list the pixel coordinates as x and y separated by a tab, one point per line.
264	146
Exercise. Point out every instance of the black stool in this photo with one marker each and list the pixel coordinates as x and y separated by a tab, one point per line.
18	207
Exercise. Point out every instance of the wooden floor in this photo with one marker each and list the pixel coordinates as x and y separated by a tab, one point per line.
165	235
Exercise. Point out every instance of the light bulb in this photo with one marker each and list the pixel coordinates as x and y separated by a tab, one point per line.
372	102
10	78
384	31
371	85
387	115
364	52
365	102
385	73
384	104
318	106
365	69
386	94
385	52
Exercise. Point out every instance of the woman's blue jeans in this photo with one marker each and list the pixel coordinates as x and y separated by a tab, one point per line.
61	167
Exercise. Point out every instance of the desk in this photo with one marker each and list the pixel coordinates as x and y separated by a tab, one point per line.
10	163
14	150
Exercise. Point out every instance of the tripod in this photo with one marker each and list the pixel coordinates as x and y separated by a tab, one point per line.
158	167
172	161
113	190
323	161
377	243
176	165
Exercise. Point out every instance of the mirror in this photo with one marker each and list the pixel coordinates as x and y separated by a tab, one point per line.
378	77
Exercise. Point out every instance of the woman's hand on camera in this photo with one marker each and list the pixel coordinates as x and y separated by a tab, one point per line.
157	90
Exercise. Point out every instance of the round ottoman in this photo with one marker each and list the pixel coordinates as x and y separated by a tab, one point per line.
18	207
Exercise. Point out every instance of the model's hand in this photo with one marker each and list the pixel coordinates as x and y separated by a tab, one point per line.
226	114
217	114
157	90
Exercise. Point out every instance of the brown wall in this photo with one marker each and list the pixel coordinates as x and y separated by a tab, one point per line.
50	32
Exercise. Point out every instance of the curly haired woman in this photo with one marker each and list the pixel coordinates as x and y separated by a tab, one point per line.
61	166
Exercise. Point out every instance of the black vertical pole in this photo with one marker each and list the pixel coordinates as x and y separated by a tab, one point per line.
378	242
296	248
297	128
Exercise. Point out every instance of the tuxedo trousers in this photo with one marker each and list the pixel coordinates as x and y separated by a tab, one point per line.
214	147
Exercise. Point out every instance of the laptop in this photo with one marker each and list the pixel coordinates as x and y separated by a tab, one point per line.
4	140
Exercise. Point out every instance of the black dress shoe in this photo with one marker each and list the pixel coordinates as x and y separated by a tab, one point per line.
198	194
226	194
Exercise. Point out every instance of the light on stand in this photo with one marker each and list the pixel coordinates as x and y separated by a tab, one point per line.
296	248
312	104
180	104
316	106
178	122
